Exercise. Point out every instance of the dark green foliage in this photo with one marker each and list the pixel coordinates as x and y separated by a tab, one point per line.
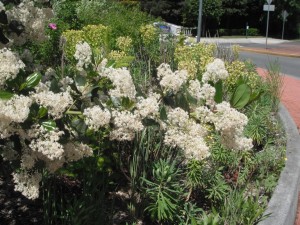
163	191
239	209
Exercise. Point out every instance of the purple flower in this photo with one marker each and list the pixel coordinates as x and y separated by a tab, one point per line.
52	26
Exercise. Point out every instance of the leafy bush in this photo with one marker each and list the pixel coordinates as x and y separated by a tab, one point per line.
239	32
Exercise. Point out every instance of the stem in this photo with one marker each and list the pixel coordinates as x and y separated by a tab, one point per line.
189	195
70	112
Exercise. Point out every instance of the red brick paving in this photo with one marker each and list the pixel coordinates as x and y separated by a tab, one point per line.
290	97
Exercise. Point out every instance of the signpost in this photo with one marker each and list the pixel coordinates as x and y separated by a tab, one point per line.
199	21
268	8
284	15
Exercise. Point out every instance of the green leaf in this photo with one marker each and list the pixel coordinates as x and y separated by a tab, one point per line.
31	81
163	114
193	221
124	62
42	112
255	96
150	122
79	125
127	103
241	96
80	80
219	91
190	98
49	125
6	95
182	102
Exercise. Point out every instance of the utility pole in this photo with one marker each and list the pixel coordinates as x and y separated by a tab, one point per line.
284	16
199	21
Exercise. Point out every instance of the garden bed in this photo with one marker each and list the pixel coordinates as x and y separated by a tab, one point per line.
282	207
121	126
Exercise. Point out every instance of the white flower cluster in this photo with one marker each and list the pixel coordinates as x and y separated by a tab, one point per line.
56	103
45	145
206	92
171	81
122	82
15	110
83	55
48	144
125	125
229	122
148	106
186	134
95	117
33	20
10	65
215	71
27	184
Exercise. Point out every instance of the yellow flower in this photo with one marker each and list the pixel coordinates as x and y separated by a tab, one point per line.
124	43
148	33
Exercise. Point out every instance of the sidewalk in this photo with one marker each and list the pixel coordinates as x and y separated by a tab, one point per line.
258	45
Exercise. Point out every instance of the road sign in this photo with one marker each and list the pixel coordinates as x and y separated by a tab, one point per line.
269	2
269	7
284	14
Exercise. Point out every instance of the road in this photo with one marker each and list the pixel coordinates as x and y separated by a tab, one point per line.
288	65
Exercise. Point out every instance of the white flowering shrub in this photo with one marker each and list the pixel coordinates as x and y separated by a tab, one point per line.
122	118
115	107
31	18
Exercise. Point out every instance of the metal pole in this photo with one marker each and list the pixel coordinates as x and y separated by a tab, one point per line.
283	28
267	26
199	21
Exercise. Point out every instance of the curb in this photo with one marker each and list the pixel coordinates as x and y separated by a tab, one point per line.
268	52
284	201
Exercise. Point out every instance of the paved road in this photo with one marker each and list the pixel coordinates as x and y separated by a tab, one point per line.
288	65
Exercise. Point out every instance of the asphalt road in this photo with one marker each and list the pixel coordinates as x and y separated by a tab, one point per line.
288	65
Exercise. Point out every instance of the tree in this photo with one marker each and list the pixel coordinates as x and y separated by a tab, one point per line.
212	12
171	11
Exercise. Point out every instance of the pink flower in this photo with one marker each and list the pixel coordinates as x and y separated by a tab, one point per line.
52	26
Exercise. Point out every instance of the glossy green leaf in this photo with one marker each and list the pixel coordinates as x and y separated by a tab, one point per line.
31	81
6	95
49	125
42	112
241	96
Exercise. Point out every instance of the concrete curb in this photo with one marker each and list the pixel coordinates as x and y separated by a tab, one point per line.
268	52
283	204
